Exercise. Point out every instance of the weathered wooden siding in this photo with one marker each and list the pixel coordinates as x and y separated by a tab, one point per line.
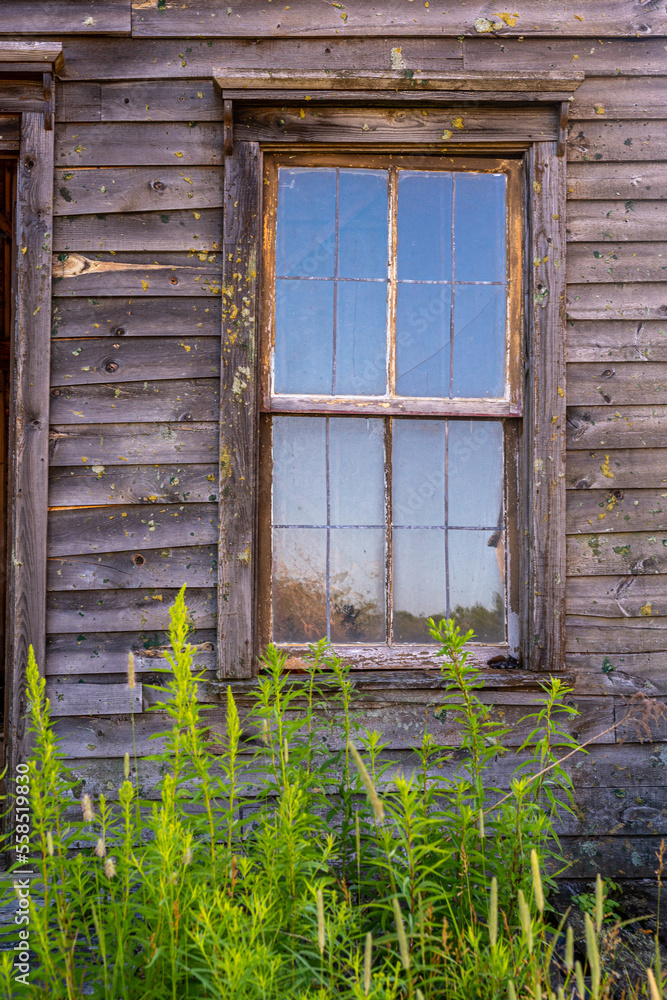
135	366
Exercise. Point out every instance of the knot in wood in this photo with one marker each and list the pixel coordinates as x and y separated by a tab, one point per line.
55	392
608	372
111	366
119	331
173	280
138	559
158	185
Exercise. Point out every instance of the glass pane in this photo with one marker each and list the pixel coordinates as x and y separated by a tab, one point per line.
479	227
475	473
304	336
357	585
306	237
422	340
299	584
476	583
356	470
418	471
362	224
479	340
424	224
299	470
419	582
361	338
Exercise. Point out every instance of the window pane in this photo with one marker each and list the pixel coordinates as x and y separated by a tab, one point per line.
299	470
299	584
356	470
305	243
475	473
357	585
479	340
304	336
422	339
361	338
419	582
424	225
479	227
476	582
362	224
418	469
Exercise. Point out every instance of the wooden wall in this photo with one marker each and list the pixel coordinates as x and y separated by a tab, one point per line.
134	399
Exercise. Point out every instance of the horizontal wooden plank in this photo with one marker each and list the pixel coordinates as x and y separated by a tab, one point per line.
620	384
620	97
124	610
616	635
617	857
70	487
17	96
623	552
631	596
107	653
67	17
620	673
93	699
612	509
142	317
184	229
613	221
111	737
9	134
135	189
617	141
617	469
137	274
617	301
101	359
112	444
78	102
636	427
102	529
308	18
595	55
136	402
164	567
433	125
168	100
616	340
602	262
616	180
128	144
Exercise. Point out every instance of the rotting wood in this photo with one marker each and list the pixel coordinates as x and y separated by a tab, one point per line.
636	427
616	340
614	509
634	300
184	229
114	444
616	635
100	530
125	610
616	180
308	18
195	566
107	652
93	699
94	360
629	596
136	402
136	189
604	262
621	384
395	125
238	401
67	17
149	484
130	144
614	221
604	468
29	420
138	274
595	54
142	317
617	141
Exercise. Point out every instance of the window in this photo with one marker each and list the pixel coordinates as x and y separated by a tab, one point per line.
391	364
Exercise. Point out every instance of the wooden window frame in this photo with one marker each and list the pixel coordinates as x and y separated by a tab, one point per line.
27	70
259	122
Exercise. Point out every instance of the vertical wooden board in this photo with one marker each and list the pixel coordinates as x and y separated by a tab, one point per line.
242	227
545	645
29	419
